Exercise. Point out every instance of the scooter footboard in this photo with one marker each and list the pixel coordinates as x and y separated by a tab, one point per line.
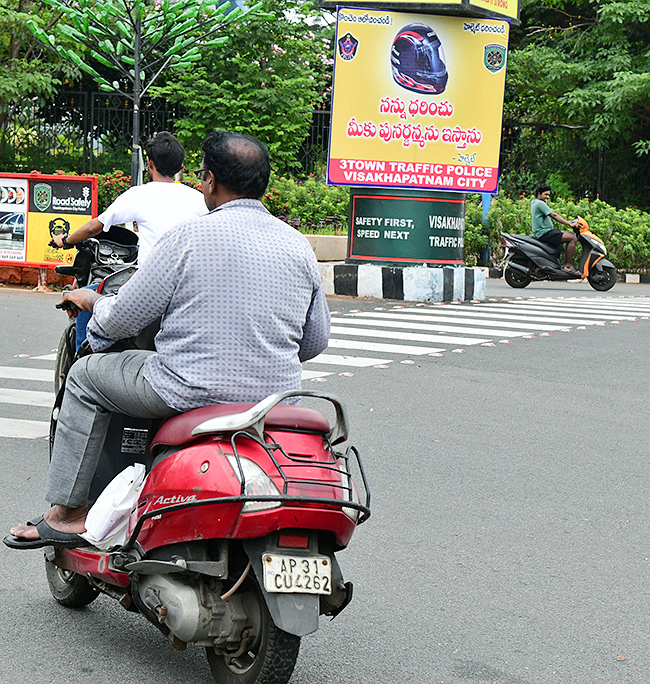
296	599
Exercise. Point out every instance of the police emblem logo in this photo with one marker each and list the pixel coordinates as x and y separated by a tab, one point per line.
348	45
494	57
42	196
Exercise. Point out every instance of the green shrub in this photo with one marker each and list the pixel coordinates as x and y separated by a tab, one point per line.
111	185
476	238
311	206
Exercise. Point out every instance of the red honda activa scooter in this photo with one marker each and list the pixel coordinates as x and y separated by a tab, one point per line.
232	543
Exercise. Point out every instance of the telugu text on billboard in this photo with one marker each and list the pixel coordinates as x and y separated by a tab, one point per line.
417	101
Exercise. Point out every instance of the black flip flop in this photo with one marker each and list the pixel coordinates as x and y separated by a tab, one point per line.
48	537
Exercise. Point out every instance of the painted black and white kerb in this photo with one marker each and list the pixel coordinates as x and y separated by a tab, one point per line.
410	283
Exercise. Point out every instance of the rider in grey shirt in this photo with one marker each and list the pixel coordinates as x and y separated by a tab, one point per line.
242	302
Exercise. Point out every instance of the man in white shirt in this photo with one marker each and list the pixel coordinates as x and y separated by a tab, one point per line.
156	206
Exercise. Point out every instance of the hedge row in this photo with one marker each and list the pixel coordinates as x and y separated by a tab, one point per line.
311	206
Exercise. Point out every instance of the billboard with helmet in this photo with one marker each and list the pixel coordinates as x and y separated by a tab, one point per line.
417	100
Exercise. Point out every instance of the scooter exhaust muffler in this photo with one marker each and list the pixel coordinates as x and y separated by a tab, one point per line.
519	267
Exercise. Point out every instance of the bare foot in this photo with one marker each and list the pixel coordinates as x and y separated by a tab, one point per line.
72	520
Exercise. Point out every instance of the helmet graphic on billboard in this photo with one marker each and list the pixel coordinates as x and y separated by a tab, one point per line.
418	60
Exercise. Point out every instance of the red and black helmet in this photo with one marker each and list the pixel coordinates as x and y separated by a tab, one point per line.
418	60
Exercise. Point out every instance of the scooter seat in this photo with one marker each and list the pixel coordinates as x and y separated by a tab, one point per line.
177	430
532	240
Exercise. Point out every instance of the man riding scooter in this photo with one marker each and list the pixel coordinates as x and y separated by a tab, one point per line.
243	305
543	226
156	206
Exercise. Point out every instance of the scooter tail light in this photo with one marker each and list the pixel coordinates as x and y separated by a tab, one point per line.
293	541
256	483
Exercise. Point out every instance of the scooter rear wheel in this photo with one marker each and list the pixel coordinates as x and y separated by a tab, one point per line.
516	278
69	588
269	660
602	280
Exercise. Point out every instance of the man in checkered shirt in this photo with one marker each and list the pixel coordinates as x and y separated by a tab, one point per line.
242	305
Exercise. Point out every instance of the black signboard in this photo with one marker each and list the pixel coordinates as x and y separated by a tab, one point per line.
406	227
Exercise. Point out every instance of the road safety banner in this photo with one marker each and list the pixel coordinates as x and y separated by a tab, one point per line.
417	101
36	207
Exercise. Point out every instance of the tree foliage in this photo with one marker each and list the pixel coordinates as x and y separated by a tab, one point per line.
27	73
585	64
135	40
266	82
579	79
138	39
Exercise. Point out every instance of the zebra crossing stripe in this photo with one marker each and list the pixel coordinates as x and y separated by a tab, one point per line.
412	337
353	361
572	306
17	373
602	315
386	348
23	429
506	311
475	311
404	325
466	321
26	397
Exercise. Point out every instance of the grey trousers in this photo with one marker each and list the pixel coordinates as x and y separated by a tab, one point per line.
97	385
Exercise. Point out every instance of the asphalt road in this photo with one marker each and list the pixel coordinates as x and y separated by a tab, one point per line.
508	542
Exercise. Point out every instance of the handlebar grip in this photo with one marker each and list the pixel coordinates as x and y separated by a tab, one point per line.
67	305
64	270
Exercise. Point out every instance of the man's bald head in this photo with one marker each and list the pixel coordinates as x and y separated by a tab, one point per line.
238	162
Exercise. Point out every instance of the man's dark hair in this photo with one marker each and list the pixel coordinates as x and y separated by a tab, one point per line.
239	162
542	187
166	153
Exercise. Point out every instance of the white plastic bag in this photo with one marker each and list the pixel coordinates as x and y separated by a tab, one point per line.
108	519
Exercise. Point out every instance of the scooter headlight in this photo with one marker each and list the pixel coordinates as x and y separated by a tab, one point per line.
257	483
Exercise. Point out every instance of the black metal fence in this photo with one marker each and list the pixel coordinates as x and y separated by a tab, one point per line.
313	151
80	131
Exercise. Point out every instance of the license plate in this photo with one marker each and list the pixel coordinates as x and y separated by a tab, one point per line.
297	574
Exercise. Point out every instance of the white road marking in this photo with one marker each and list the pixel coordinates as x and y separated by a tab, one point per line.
335	343
456	319
26	397
404	325
498	314
533	314
339	360
571	306
23	429
17	373
412	337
